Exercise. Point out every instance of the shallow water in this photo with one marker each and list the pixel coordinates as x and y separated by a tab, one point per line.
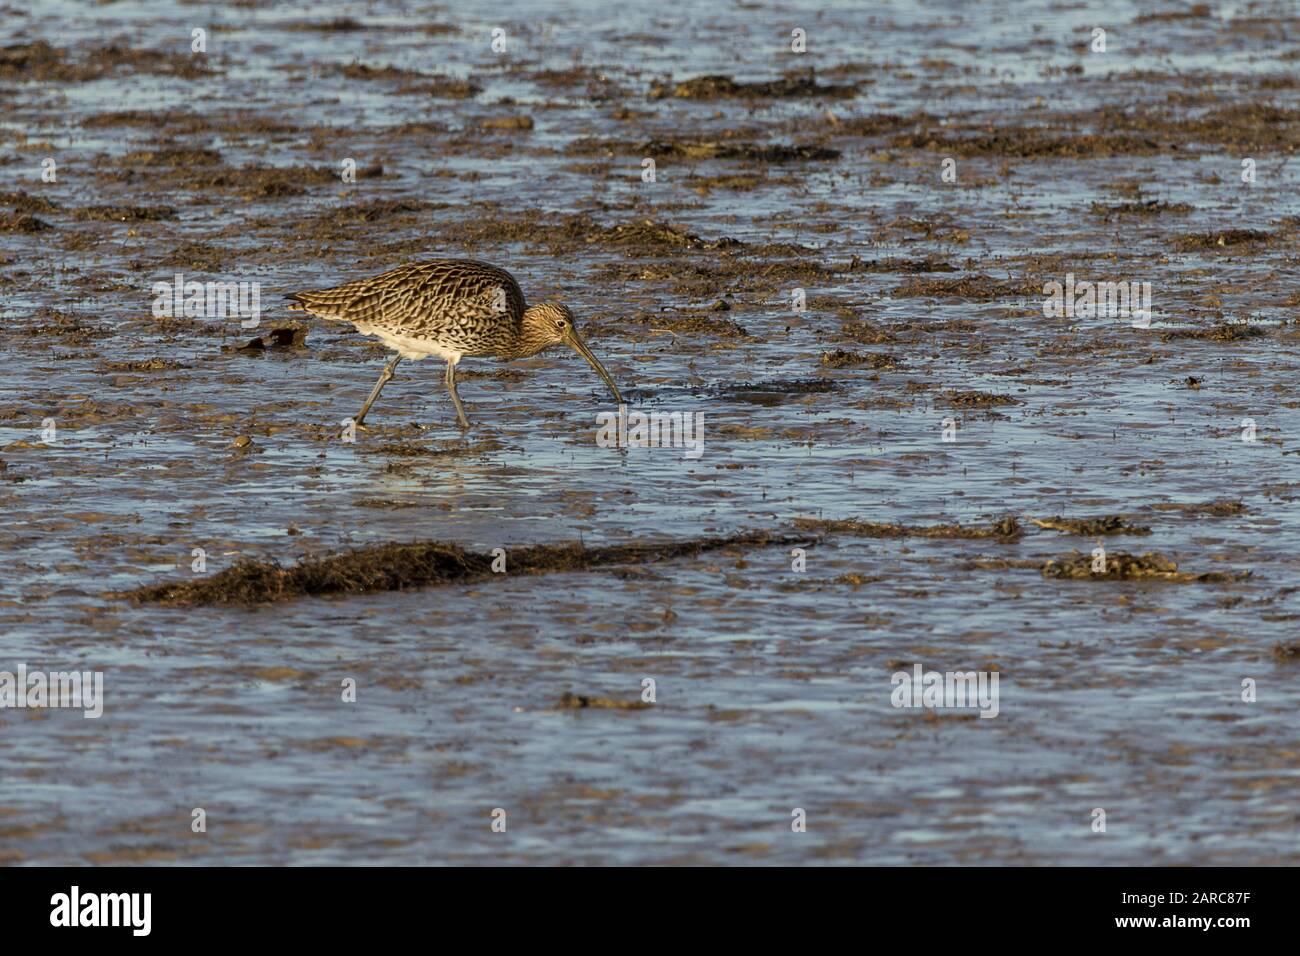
773	686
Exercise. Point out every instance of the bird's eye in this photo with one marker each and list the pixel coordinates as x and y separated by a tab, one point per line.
561	324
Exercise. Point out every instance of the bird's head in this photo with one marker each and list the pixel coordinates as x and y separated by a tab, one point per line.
552	324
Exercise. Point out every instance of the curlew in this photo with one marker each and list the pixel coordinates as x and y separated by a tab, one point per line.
451	308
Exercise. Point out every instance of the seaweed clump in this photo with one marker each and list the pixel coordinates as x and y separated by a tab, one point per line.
1106	524
1122	566
1006	529
402	567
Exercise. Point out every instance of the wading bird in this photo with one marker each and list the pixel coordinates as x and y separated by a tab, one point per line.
451	308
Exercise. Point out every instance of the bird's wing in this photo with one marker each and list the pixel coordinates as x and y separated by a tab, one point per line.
421	299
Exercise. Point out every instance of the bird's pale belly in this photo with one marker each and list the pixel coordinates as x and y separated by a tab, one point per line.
410	347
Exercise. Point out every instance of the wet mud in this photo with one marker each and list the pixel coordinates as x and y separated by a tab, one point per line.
840	261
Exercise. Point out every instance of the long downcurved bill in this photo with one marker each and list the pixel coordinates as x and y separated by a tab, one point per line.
580	347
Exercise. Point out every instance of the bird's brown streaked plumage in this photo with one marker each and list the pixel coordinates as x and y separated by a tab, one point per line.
451	308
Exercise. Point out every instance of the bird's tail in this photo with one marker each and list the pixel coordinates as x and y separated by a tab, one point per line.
322	303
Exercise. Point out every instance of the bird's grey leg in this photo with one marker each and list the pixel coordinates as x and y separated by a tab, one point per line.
451	387
384	376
